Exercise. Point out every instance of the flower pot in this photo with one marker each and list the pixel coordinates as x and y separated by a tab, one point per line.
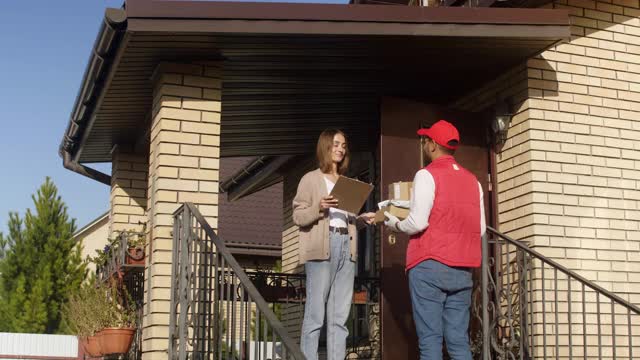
91	345
135	256
360	297
116	340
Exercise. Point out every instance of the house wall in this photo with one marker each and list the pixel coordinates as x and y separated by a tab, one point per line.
569	173
183	167
93	238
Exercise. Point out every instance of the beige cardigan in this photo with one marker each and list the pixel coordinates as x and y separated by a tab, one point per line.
313	241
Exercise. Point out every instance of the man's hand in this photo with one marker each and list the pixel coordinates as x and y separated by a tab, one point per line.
391	222
328	202
368	217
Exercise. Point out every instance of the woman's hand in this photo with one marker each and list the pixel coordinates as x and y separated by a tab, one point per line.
328	202
368	217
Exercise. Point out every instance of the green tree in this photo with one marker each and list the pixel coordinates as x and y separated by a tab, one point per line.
40	265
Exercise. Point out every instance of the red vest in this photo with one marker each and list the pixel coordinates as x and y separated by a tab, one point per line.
453	234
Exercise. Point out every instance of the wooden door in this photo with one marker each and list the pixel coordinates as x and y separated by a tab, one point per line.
400	158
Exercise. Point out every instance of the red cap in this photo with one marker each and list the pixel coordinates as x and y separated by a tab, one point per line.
442	132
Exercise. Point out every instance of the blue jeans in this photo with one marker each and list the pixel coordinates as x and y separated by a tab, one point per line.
441	298
330	284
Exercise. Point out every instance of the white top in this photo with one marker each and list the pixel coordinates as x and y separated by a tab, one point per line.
337	218
424	189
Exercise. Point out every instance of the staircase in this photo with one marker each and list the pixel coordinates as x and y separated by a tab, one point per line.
525	306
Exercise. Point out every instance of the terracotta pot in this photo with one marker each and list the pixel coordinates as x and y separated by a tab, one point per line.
135	256
91	345
360	297
116	340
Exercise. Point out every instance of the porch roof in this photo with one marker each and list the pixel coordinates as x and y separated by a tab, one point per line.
290	64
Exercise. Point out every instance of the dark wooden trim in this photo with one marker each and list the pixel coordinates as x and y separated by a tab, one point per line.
343	28
341	12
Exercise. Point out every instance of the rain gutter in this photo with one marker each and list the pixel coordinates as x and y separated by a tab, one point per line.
89	95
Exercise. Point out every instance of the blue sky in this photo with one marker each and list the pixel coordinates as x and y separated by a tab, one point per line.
44	47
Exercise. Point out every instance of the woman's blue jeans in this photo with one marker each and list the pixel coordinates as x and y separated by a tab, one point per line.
441	298
329	286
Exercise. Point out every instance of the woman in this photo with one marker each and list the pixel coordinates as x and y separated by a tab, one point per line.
327	248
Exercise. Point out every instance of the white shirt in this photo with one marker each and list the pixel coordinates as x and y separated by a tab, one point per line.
424	190
337	218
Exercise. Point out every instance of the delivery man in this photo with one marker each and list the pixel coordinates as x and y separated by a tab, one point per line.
446	222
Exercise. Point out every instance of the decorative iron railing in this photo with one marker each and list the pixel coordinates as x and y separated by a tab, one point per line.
532	307
123	255
216	311
124	265
285	292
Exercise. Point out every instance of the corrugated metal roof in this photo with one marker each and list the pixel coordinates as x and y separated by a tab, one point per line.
38	345
253	220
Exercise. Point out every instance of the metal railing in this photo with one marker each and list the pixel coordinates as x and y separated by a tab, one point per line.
216	311
533	307
286	292
122	255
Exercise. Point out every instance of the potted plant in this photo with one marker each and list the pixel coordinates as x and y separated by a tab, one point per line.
136	242
119	321
85	316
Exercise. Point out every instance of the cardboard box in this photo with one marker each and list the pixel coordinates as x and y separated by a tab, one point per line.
400	213
401	190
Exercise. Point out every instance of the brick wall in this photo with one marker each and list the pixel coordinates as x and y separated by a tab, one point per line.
128	191
183	167
569	173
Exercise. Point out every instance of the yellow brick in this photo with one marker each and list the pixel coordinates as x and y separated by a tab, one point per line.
620	163
167	148
577	189
210	140
602	92
631	115
178	185
589	139
178	161
206	105
601	111
603	171
169	101
178	90
210	163
599	34
575	148
208	186
178	137
200	151
166	196
180	114
212	117
605	151
212	94
574	128
574	108
131	210
205	82
201	128
592	181
166	171
199	174
198	198
573	69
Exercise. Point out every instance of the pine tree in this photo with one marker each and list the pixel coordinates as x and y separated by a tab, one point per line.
40	265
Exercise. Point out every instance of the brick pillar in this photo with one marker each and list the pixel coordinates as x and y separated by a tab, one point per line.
183	167
128	191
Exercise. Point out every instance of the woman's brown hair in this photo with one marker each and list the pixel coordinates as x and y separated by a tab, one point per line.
323	151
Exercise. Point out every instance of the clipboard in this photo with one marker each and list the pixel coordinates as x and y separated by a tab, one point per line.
351	194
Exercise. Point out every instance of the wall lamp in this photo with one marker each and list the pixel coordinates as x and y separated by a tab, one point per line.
500	123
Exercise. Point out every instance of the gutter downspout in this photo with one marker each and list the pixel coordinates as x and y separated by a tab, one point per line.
98	67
